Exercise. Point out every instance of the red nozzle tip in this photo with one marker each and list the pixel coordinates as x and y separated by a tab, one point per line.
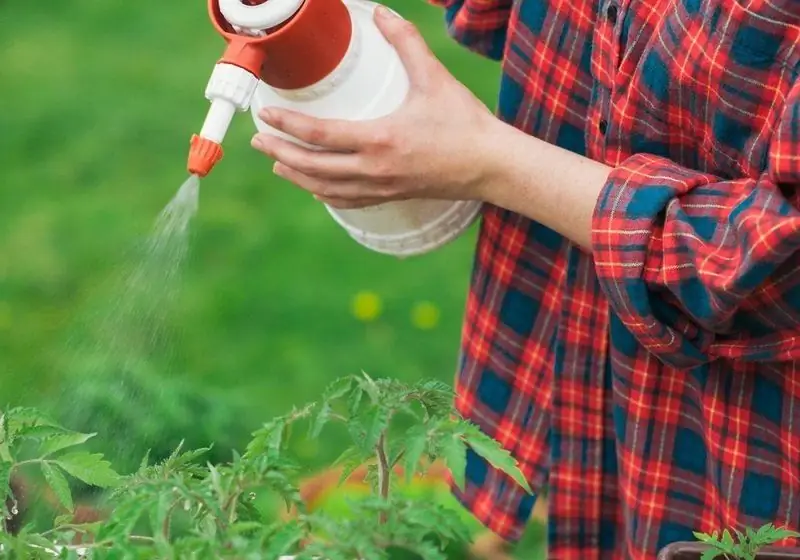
203	155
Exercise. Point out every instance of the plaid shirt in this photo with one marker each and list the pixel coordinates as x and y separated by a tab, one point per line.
652	386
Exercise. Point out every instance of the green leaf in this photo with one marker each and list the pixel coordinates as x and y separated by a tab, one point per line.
244	527
89	468
63	440
320	420
711	554
145	462
55	479
454	452
375	422
350	460
416	442
495	454
779	534
63	519
21	420
703	537
5	480
284	540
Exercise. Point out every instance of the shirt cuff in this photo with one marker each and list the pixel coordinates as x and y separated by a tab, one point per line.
629	256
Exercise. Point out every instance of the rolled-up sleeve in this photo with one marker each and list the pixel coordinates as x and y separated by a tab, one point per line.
698	267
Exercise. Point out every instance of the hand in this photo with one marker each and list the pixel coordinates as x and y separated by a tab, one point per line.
434	146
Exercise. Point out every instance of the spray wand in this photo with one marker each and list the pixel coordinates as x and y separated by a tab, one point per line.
297	38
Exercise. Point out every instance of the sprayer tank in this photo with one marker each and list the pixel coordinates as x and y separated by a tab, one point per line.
370	82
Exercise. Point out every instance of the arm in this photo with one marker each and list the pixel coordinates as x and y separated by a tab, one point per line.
695	266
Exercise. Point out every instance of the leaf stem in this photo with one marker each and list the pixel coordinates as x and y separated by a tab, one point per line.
384	473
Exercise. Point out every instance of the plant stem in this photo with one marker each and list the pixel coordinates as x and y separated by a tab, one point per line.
384	473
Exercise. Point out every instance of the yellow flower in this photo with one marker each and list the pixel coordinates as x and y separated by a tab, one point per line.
367	306
425	315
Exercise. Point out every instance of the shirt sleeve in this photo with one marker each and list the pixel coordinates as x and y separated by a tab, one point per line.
699	268
479	25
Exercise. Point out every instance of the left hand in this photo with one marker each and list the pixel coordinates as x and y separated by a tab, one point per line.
435	145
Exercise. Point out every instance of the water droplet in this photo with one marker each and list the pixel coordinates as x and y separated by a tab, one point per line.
14	511
187	505
252	496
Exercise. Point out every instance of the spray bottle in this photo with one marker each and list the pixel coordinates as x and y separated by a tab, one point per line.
327	59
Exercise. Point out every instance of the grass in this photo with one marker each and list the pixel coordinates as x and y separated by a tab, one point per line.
99	101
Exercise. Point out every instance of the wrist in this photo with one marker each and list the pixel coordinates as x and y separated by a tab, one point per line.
501	148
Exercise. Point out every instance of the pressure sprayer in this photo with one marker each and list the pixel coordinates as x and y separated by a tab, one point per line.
327	59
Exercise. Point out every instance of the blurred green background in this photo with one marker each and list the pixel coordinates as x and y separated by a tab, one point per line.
99	100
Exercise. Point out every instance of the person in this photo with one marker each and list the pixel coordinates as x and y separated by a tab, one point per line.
632	329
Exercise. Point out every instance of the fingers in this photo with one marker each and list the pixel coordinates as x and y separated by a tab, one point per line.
331	134
417	58
340	194
344	204
331	165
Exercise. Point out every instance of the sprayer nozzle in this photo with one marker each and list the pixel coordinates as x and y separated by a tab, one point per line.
204	154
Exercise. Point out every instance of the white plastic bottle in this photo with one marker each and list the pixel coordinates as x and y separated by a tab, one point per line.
328	59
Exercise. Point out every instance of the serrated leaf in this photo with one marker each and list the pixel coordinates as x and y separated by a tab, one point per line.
375	422
354	400
244	527
284	540
63	519
63	440
710	554
454	452
338	389
58	484
416	442
5	480
429	551
89	468
145	462
349	460
20	420
703	537
751	534
776	535
268	440
727	540
495	454
321	419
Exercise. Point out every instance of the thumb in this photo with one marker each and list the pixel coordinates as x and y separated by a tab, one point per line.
403	35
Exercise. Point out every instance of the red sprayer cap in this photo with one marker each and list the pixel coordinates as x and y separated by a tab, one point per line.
296	54
303	50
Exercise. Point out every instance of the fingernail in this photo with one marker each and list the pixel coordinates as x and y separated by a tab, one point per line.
277	169
266	115
256	142
384	12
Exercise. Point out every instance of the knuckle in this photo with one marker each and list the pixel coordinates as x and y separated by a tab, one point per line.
315	134
407	30
383	172
382	138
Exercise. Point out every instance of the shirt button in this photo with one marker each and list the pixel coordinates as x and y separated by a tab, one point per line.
603	126
612	12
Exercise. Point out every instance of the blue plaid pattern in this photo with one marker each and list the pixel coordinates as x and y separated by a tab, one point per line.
650	386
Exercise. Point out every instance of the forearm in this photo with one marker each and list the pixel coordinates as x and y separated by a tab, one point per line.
545	183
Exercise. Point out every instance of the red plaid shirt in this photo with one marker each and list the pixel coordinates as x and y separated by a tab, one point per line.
652	386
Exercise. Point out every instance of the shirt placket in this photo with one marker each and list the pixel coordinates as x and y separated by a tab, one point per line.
606	53
583	363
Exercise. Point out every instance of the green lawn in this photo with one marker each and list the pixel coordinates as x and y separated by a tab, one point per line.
99	100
